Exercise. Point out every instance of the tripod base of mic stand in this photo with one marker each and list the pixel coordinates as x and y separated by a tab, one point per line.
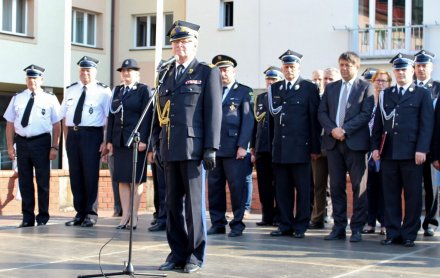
129	270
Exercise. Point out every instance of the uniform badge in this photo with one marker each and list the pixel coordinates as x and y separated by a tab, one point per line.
411	89
235	86
190	71
296	87
232	107
43	111
429	85
197	82
281	87
91	110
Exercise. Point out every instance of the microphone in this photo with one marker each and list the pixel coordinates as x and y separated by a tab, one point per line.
165	63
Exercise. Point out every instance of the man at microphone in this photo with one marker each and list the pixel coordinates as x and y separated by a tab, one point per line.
188	120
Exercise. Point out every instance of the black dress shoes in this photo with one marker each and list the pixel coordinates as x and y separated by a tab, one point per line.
408	243
88	222
158	227
216	230
335	235
74	222
356	237
235	233
264	223
167	266
429	232
25	224
190	268
41	224
368	231
389	241
281	233
298	235
316	225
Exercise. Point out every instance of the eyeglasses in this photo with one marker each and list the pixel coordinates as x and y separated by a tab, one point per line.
381	81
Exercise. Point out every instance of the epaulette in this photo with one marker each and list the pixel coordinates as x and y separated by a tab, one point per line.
73	84
102	84
206	64
244	86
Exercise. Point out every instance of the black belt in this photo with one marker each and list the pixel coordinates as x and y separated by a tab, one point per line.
32	137
77	128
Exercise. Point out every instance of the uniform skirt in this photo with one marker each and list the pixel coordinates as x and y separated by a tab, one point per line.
123	161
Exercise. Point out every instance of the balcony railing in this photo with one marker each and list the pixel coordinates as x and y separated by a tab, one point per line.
387	41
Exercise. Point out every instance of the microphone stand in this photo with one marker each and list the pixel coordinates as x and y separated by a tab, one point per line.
134	140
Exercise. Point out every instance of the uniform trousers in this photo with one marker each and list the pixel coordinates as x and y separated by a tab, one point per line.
320	178
233	171
398	175
266	185
375	197
82	148
184	184
340	161
293	182
34	153
159	191
431	197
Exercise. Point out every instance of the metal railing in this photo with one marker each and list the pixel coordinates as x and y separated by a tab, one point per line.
385	41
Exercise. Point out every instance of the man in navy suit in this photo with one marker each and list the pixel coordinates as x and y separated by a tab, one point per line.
187	128
423	70
236	132
344	113
294	102
401	139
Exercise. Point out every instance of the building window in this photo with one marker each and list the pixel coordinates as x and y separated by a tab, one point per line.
390	26
226	14
83	28
13	14
146	30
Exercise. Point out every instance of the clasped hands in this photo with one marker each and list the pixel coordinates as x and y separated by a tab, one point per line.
338	133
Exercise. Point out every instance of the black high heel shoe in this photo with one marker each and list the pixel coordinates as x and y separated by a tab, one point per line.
122	226
134	227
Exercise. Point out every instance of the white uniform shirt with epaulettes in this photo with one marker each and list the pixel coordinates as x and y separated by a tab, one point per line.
96	104
44	113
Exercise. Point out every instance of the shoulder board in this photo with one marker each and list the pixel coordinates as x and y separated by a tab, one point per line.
20	92
73	84
50	93
207	65
101	84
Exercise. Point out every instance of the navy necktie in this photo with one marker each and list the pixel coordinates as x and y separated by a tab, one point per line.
400	92
180	69
27	111
79	107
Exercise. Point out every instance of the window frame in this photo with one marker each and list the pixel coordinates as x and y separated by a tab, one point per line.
14	18
222	15
148	34
74	39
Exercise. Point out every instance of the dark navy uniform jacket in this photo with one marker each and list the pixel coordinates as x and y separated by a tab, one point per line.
296	127
413	123
358	113
120	127
238	120
262	136
195	113
434	87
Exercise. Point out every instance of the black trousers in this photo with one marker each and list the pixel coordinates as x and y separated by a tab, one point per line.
233	171
82	148
375	198
159	191
398	175
34	153
431	197
340	161
184	184
266	185
291	179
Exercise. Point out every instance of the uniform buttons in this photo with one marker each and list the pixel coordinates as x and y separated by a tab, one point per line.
284	136
236	134
283	114
395	132
283	125
397	114
172	103
172	115
396	124
284	102
297	102
190	89
172	125
397	105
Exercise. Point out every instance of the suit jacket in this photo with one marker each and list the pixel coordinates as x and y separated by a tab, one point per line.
195	113
434	87
262	135
121	124
358	113
296	127
237	120
413	123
